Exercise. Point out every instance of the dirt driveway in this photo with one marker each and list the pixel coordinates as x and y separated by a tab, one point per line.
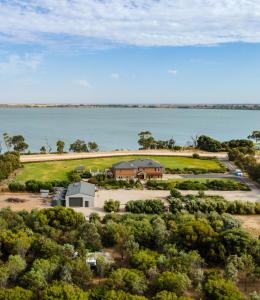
28	201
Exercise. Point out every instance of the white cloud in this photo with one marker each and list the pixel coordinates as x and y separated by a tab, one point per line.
17	63
83	83
130	22
173	72
115	76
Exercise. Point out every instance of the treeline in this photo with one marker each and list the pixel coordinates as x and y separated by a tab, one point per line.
167	256
209	184
147	141
9	162
209	144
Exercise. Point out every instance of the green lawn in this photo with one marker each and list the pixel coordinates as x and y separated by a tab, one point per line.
57	170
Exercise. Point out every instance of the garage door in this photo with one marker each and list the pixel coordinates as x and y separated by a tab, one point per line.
75	202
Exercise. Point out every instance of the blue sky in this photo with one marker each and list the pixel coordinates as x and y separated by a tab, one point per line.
129	51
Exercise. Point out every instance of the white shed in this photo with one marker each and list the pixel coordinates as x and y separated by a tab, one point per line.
80	194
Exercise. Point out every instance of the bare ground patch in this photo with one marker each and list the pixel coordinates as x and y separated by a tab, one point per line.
22	201
251	224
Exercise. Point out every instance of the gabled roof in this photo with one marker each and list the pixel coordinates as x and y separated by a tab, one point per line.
137	163
82	187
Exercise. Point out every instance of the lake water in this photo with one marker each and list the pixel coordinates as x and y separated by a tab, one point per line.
117	128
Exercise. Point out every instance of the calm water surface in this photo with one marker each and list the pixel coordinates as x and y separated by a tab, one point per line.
117	128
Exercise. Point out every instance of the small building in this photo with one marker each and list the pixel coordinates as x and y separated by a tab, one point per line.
138	168
44	193
80	194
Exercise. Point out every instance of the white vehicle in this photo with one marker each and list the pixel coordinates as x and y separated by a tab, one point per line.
238	172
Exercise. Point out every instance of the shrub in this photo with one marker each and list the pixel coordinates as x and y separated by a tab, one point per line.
173	282
196	155
16	186
220	289
145	206
111	205
175	193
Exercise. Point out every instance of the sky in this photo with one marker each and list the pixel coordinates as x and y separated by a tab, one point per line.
129	51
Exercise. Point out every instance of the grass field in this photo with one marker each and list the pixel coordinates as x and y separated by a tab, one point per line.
58	170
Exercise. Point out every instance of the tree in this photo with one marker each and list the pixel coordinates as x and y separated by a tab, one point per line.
63	291
255	135
16	293
79	146
173	282
165	295
220	289
144	260
18	143
93	147
43	150
111	205
129	280
146	140
60	146
15	265
8	141
207	143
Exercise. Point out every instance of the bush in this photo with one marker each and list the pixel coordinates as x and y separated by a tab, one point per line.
196	155
220	289
16	187
175	193
111	205
173	282
145	206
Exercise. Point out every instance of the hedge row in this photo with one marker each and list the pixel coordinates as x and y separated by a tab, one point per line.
208	204
195	171
214	184
34	186
194	204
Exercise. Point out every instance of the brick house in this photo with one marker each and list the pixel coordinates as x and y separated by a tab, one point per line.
138	168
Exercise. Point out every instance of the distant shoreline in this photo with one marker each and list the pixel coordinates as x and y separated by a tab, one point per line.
174	106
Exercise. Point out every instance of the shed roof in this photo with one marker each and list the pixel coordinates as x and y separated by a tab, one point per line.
82	187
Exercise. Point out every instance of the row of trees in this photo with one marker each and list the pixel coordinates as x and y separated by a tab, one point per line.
207	143
77	146
147	141
43	256
17	143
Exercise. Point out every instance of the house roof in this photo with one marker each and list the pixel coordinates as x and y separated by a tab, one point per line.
82	187
137	163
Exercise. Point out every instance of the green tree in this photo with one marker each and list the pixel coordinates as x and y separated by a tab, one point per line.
8	141
165	295
60	146
15	265
121	295
16	293
145	259
220	289
111	205
43	150
146	140
93	147
18	143
63	291
129	280
78	146
255	135
207	143
173	282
